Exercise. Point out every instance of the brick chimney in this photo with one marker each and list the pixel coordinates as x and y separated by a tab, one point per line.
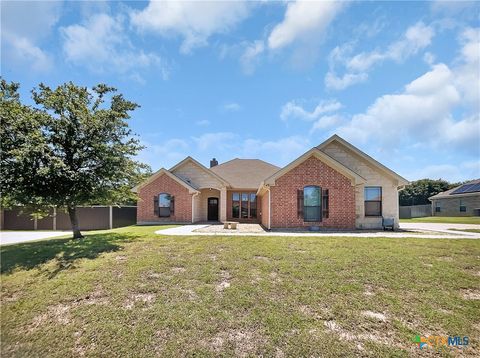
213	162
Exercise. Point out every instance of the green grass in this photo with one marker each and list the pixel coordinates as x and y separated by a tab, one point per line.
129	292
444	220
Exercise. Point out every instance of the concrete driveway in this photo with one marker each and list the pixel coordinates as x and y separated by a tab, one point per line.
14	237
438	227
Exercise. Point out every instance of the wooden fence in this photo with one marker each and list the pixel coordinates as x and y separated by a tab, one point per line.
415	211
89	218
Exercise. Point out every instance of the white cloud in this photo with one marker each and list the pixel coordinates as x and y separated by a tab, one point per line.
326	122
424	111
249	58
164	155
348	79
279	152
305	21
293	109
195	21
231	107
416	38
219	140
25	26
452	173
21	49
100	44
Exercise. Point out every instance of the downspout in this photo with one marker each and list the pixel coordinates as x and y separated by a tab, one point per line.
269	209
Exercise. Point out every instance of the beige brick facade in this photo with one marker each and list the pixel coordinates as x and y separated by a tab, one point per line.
374	177
451	206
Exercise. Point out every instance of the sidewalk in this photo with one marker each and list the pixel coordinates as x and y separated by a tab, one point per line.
417	232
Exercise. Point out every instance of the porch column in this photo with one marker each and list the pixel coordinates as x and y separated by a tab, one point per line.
223	204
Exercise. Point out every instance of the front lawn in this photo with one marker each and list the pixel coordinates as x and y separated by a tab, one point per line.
129	292
444	220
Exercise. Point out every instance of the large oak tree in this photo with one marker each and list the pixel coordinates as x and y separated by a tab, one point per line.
72	147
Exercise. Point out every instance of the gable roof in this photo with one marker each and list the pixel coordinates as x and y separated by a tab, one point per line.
161	172
201	166
366	157
244	173
453	193
357	179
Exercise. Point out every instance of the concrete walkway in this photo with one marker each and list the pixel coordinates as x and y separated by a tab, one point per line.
411	230
15	237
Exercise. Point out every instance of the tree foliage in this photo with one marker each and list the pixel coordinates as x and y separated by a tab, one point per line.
73	147
418	192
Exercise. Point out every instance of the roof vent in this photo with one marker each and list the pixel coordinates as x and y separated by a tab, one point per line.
213	163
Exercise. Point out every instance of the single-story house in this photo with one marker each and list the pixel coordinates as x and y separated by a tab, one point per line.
333	185
463	200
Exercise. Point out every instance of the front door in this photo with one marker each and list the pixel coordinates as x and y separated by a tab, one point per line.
212	213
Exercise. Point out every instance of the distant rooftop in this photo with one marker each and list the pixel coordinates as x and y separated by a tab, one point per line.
470	188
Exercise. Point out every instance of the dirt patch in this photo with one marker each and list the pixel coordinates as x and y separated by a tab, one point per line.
368	290
96	297
470	294
225	281
80	349
274	277
346	335
245	342
11	297
375	315
153	275
145	298
178	269
427	265
59	314
445	258
262	258
121	258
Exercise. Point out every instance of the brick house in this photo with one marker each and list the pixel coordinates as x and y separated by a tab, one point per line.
333	185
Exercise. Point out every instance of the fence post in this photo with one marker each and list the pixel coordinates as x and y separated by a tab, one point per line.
54	218
35	222
110	222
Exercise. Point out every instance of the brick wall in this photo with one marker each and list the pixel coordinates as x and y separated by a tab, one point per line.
164	184
313	172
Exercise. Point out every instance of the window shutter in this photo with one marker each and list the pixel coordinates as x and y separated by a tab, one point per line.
155	205
172	205
325	202
300	203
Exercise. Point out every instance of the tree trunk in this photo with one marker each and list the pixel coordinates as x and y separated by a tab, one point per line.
72	212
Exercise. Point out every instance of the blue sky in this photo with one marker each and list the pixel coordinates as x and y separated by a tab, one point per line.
269	80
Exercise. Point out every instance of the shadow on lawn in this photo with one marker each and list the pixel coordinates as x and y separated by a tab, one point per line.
31	255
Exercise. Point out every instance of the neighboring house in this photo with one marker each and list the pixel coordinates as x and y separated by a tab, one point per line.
333	185
464	200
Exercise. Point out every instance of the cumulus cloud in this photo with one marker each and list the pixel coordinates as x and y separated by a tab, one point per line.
194	21
100	44
303	20
424	111
25	26
279	152
219	140
415	38
294	110
166	154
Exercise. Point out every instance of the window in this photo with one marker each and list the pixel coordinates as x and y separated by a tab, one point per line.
373	201
253	206
437	207
312	203
236	205
463	208
165	205
244	211
244	205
